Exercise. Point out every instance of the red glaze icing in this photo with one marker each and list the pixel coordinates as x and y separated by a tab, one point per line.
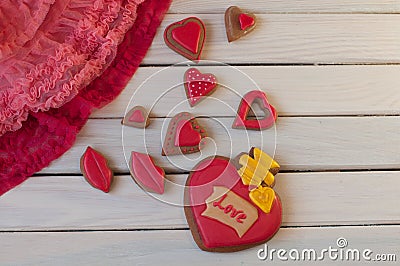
150	176
95	169
137	116
186	135
186	37
245	21
198	85
214	234
241	120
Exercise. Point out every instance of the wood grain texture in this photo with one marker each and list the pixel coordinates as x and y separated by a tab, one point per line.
302	143
294	6
177	247
293	90
294	38
309	199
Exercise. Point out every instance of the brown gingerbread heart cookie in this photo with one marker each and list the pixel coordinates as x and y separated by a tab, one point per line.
238	23
183	136
137	117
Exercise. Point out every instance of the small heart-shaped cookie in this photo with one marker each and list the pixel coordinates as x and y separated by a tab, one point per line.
186	37
243	121
183	135
238	23
198	86
136	117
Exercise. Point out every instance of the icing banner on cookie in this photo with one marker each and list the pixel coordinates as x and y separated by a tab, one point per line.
228	208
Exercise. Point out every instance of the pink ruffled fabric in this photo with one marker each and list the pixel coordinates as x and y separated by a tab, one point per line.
45	136
59	48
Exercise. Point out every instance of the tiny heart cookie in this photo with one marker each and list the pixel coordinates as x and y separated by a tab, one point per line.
145	173
186	37
198	86
183	136
219	211
238	23
243	120
137	117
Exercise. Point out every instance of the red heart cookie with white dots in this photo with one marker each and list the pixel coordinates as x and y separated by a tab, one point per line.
198	86
219	211
184	135
186	37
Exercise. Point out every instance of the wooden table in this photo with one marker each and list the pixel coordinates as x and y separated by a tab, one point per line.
330	67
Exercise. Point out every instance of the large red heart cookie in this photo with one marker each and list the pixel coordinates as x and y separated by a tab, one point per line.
183	135
186	37
198	86
238	23
220	213
243	119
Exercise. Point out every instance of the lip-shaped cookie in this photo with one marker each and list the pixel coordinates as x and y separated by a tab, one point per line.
95	169
243	120
184	135
145	173
198	85
238	23
186	37
219	211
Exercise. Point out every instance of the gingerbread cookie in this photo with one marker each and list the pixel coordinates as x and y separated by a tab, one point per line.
95	169
137	117
183	136
220	212
198	86
244	112
186	37
238	23
145	173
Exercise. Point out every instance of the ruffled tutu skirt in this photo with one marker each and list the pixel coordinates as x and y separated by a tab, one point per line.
58	61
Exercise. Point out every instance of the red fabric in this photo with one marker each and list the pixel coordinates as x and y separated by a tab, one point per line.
45	136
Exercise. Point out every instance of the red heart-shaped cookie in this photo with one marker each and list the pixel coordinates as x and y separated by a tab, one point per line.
198	85
219	211
238	23
243	120
186	37
183	135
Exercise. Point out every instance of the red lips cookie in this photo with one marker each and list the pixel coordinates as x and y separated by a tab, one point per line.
198	86
183	136
145	173
243	120
95	169
238	23
219	211
186	37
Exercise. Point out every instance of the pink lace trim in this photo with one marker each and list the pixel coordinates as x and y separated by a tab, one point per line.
45	136
70	62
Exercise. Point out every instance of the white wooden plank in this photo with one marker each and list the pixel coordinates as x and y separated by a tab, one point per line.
293	90
309	199
178	248
302	143
294	6
294	38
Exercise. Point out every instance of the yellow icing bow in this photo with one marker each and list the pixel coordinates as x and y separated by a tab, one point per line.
256	173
